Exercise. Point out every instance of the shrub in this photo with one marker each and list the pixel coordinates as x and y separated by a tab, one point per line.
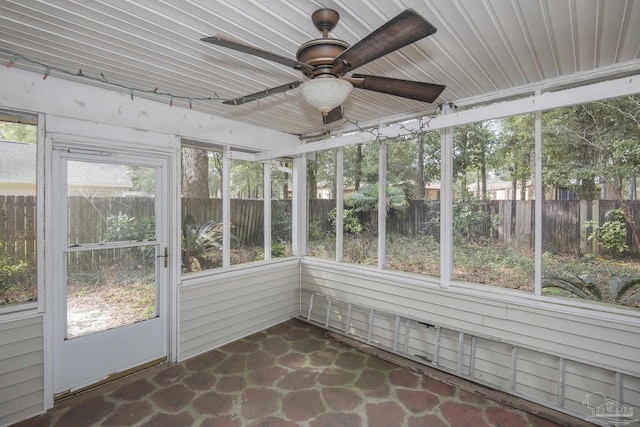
612	234
10	270
350	222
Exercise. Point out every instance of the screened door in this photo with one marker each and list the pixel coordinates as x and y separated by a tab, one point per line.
111	292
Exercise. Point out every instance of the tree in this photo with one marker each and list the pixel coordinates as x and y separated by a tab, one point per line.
474	144
366	200
215	174
143	179
515	151
247	180
21	132
195	173
595	148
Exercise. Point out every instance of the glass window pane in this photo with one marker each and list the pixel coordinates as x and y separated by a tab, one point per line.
413	218
591	157
361	204
492	210
281	219
201	209
247	210
18	282
109	203
321	182
108	288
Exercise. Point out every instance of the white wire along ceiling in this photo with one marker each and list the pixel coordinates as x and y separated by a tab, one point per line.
483	50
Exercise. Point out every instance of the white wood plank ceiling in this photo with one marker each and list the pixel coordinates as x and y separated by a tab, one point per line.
481	47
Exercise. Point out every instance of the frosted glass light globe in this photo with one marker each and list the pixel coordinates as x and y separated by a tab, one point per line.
325	93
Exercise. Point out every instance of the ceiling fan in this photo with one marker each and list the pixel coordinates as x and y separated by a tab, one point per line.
325	61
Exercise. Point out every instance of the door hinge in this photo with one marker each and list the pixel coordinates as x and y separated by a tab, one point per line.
165	256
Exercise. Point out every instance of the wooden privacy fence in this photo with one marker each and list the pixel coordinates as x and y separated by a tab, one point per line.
17	227
563	221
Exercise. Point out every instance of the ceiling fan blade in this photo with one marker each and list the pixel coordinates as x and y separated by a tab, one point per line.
262	94
230	43
425	92
400	31
333	115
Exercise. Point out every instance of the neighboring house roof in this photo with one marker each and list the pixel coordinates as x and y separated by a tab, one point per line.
495	183
18	165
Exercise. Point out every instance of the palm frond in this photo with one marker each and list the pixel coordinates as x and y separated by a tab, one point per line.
626	289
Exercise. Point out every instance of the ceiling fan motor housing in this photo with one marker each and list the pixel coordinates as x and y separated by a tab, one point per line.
320	54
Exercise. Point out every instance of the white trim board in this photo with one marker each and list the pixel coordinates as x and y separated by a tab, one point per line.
546	101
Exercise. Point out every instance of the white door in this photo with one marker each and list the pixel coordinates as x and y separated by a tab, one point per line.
110	291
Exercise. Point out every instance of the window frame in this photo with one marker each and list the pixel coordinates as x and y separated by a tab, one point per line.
19	310
232	153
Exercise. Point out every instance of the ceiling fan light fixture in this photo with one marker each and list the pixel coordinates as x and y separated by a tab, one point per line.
325	93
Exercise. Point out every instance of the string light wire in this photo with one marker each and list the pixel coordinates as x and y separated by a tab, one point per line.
15	57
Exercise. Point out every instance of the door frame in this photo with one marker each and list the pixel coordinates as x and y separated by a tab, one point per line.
145	144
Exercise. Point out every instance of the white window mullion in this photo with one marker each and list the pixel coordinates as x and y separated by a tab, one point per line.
446	205
267	211
538	203
299	206
226	207
339	204
382	202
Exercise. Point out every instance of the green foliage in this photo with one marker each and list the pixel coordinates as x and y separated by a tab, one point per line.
366	199
11	270
201	245
281	220
278	250
473	221
624	290
589	144
581	287
612	234
122	227
585	287
350	222
19	132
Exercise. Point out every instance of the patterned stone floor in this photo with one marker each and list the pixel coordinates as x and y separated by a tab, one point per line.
287	375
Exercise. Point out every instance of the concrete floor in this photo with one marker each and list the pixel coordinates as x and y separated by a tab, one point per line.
287	375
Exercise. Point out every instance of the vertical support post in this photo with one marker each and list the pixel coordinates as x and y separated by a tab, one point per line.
561	381
472	357
267	210
382	201
299	207
538	189
226	206
328	314
514	367
310	307
372	316
339	203
348	322
460	365
446	204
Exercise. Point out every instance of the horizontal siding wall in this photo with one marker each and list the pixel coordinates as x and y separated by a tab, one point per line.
542	334
227	306
21	369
